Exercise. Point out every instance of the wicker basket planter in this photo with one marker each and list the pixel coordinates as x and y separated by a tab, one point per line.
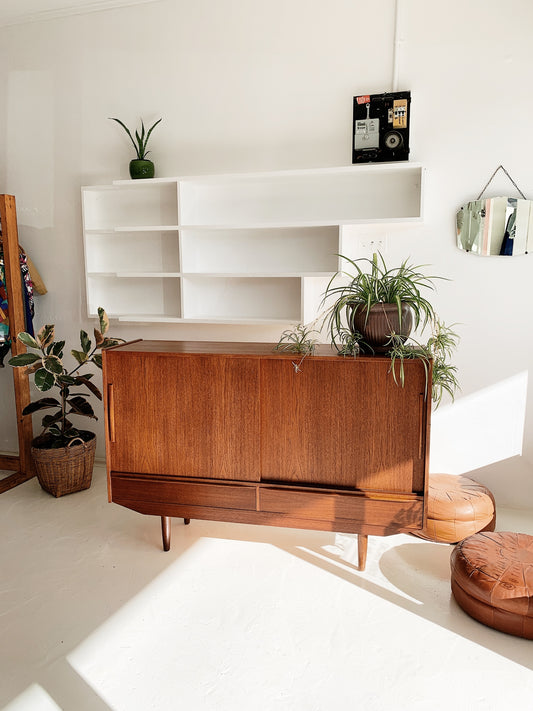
67	469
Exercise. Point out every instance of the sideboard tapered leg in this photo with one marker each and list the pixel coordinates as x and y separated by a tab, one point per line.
186	521
362	545
165	530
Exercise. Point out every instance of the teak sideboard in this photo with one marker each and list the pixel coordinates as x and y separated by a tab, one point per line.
240	432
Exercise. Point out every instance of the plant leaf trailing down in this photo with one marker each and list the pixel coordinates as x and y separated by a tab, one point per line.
46	365
439	347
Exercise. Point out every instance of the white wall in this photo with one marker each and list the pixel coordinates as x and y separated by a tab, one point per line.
249	85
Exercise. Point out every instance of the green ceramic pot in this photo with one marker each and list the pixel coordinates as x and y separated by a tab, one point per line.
141	169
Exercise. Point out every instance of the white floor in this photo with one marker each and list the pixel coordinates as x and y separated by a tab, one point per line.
95	616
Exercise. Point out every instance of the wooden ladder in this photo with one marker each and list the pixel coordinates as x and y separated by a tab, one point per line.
21	464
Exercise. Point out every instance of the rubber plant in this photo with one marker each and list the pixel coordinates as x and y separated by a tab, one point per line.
44	361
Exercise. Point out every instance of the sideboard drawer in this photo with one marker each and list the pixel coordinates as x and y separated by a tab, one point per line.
324	506
152	490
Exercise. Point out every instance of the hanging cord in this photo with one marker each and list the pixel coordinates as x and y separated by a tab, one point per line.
500	167
396	47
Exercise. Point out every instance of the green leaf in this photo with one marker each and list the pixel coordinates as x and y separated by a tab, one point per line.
127	131
97	360
27	340
80	356
49	420
66	379
104	320
80	406
44	380
85	342
45	336
141	147
98	338
91	386
56	349
108	342
72	432
150	131
31	369
141	140
23	359
53	365
42	404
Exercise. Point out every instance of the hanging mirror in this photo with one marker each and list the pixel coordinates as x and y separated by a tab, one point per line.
496	226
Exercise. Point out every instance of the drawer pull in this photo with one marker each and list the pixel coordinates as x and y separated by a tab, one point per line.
421	426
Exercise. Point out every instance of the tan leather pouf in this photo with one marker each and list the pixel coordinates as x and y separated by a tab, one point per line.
492	580
457	508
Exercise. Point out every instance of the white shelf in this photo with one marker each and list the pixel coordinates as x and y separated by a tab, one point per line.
264	225
210	275
256	275
122	296
279	251
242	298
147	275
234	248
394	166
147	228
109	206
224	321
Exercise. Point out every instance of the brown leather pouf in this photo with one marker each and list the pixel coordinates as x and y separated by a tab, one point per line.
492	580
457	508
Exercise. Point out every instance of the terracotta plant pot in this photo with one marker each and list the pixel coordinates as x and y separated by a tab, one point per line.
381	322
66	469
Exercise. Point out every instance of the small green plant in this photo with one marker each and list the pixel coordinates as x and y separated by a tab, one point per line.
45	363
141	139
297	340
348	342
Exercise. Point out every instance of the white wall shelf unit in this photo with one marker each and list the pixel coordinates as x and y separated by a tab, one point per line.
238	248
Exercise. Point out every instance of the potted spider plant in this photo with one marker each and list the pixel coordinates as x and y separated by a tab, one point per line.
377	303
140	167
374	310
63	455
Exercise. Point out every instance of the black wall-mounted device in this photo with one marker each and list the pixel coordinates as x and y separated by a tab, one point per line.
381	127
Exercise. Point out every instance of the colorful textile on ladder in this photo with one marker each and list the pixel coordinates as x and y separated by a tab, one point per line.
29	306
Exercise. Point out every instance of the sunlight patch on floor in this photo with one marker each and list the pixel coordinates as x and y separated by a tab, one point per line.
34	698
233	620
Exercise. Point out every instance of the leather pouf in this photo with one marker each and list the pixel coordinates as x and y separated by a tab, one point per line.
457	508
492	580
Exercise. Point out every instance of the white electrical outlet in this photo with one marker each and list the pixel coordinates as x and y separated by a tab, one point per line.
372	243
